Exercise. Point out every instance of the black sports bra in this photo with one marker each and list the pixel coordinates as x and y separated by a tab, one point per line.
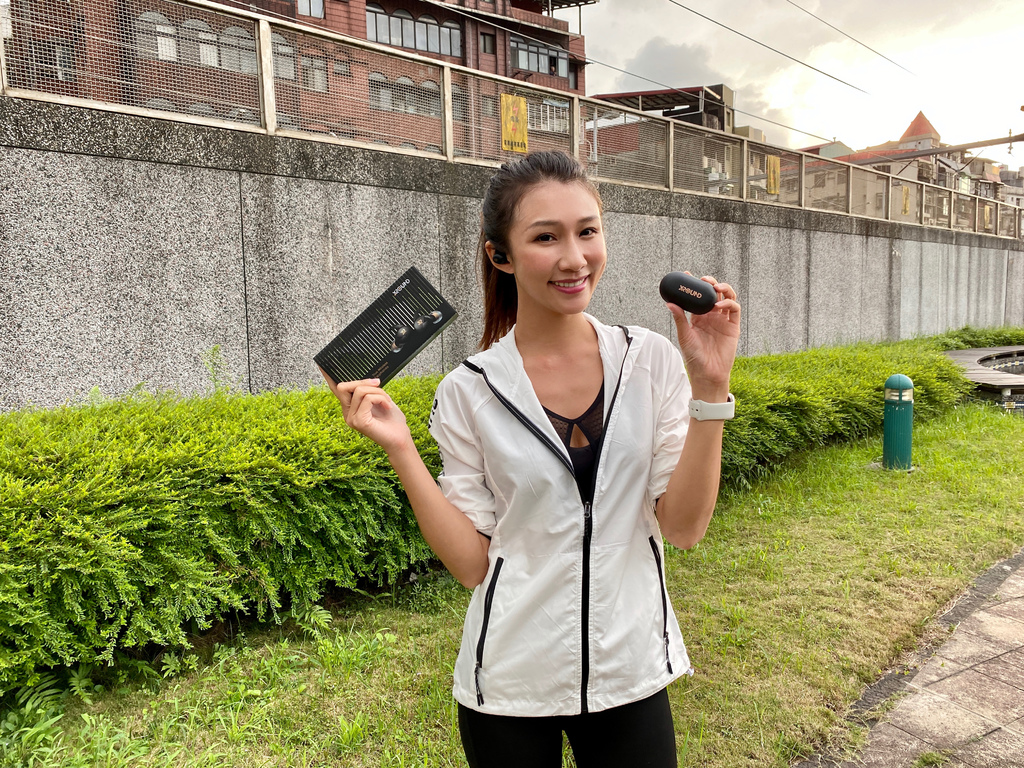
588	430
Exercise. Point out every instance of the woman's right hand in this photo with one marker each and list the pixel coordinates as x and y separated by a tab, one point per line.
369	410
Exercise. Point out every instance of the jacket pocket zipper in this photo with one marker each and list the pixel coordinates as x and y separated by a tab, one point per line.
664	601
488	600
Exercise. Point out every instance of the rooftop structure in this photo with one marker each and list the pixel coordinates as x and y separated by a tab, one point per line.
710	106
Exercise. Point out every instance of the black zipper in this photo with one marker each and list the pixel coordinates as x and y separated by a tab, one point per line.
588	523
488	600
664	600
588	530
537	432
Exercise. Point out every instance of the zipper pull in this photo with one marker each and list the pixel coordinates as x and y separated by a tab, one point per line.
476	679
668	659
586	509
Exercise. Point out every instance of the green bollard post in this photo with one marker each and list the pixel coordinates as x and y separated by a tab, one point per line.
898	422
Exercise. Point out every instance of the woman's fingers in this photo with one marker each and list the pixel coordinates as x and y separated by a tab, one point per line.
364	400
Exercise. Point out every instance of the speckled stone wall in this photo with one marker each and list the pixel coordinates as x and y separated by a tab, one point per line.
129	247
114	274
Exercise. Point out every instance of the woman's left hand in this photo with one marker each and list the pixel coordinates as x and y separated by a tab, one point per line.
708	342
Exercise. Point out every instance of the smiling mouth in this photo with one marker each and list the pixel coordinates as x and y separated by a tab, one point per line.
569	283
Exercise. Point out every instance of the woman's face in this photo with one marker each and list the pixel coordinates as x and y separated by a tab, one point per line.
556	249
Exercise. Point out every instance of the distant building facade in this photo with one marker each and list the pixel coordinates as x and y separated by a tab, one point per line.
188	59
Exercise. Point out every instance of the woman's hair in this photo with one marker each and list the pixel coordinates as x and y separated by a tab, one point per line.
507	189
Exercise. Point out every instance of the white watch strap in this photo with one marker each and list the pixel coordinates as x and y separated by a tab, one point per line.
702	411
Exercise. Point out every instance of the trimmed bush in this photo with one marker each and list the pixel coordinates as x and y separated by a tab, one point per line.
123	521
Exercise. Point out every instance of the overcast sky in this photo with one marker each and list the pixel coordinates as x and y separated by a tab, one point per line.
966	56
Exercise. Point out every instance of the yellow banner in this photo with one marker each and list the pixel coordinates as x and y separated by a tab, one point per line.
773	167
514	123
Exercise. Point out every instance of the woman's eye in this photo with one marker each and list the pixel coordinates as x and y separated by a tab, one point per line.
545	238
589	231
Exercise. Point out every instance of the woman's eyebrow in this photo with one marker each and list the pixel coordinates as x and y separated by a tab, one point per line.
551	223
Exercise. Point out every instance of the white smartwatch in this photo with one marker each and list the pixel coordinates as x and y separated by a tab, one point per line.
702	411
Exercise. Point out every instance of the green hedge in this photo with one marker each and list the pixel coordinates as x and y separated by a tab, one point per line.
121	522
794	401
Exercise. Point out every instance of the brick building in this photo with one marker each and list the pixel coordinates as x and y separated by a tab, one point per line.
196	59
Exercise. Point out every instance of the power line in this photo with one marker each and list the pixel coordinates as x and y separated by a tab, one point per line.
765	45
589	60
865	45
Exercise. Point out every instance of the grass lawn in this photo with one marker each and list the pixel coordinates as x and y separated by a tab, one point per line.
806	588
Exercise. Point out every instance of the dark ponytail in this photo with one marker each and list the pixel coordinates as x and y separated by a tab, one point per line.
507	188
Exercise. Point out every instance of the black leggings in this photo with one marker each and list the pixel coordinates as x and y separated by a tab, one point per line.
636	734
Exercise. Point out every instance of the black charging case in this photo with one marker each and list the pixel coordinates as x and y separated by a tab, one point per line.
689	292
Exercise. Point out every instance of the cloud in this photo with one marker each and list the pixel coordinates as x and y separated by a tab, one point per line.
676	65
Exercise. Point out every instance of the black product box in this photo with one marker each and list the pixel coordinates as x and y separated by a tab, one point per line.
389	333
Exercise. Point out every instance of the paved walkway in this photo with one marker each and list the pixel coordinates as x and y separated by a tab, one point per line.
960	704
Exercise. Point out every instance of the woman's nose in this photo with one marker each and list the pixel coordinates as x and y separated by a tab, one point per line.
573	258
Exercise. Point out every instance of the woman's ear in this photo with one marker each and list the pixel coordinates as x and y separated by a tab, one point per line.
498	258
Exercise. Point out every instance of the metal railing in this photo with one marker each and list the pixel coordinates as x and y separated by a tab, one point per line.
201	62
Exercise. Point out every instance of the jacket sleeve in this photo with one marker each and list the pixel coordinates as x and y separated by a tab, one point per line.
462	479
671	394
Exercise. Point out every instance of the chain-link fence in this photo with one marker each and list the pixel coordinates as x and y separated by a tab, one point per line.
623	146
826	185
937	208
325	86
149	54
869	192
236	67
964	209
773	175
1007	221
987	217
707	162
477	118
905	201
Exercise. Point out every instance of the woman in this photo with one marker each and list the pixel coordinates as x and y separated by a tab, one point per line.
569	452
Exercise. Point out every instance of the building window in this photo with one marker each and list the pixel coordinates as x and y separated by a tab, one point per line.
343	69
380	92
550	115
314	73
54	60
199	44
488	44
430	99
314	8
372	11
423	34
539	58
157	37
398	31
284	57
238	51
460	104
403	95
451	39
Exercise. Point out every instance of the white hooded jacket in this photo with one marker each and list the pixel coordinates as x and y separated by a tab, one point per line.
572	615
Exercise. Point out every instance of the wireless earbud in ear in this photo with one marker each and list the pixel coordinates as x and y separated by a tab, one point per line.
499	258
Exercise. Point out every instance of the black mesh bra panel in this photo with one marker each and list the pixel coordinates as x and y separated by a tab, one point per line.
589	430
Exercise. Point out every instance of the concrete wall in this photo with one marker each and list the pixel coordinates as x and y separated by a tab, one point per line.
129	247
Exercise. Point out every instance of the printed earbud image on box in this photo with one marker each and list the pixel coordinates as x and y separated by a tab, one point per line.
389	333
